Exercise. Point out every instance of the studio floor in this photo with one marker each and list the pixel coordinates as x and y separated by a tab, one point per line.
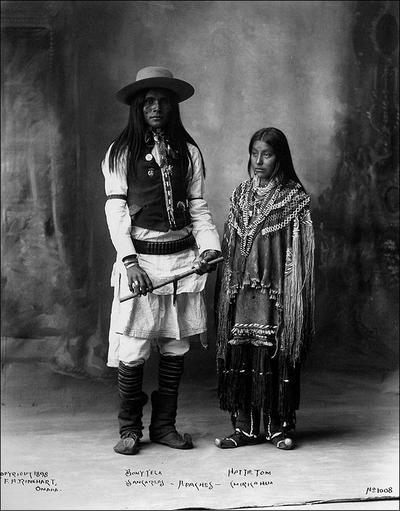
58	433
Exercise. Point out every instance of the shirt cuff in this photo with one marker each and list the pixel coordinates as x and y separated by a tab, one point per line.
208	239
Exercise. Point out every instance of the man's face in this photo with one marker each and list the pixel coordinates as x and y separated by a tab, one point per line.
157	108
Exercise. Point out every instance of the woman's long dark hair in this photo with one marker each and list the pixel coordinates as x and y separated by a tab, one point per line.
133	137
284	169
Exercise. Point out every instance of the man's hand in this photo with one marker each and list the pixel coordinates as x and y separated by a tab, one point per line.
138	280
201	263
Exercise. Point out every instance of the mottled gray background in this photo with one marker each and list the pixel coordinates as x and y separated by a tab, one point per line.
324	72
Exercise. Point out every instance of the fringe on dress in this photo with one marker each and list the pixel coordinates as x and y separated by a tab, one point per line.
266	289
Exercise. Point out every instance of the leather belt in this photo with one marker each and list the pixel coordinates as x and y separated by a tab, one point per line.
164	247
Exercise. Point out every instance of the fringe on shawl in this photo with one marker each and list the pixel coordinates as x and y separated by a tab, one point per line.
224	309
299	291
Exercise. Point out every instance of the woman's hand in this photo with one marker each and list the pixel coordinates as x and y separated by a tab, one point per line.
201	262
138	280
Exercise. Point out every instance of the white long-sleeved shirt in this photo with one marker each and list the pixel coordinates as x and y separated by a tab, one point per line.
122	231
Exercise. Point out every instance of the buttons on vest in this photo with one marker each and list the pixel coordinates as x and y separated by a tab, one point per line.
157	191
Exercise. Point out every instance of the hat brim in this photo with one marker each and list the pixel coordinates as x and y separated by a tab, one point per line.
182	89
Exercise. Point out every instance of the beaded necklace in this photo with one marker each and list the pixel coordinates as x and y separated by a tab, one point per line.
255	209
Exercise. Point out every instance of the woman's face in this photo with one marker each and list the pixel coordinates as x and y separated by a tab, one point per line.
157	108
262	160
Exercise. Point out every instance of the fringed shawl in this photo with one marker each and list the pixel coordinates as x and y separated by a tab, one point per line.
274	253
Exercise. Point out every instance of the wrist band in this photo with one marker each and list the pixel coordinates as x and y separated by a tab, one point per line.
133	263
133	258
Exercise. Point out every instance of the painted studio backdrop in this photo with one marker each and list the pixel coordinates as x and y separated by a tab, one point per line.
323	72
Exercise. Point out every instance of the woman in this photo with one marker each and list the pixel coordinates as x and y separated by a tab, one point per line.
160	225
266	300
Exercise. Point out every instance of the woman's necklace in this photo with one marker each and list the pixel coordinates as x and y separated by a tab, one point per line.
255	210
263	189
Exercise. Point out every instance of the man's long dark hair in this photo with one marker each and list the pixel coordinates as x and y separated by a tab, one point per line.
284	169
132	140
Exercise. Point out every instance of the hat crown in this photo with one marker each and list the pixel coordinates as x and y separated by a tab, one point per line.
153	72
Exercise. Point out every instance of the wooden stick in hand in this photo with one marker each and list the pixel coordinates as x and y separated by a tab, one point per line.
173	279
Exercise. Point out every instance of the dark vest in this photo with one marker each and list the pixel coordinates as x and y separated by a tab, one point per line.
147	197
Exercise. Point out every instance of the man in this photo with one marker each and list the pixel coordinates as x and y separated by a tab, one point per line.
160	225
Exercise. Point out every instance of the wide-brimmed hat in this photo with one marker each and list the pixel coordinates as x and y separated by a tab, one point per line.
152	77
